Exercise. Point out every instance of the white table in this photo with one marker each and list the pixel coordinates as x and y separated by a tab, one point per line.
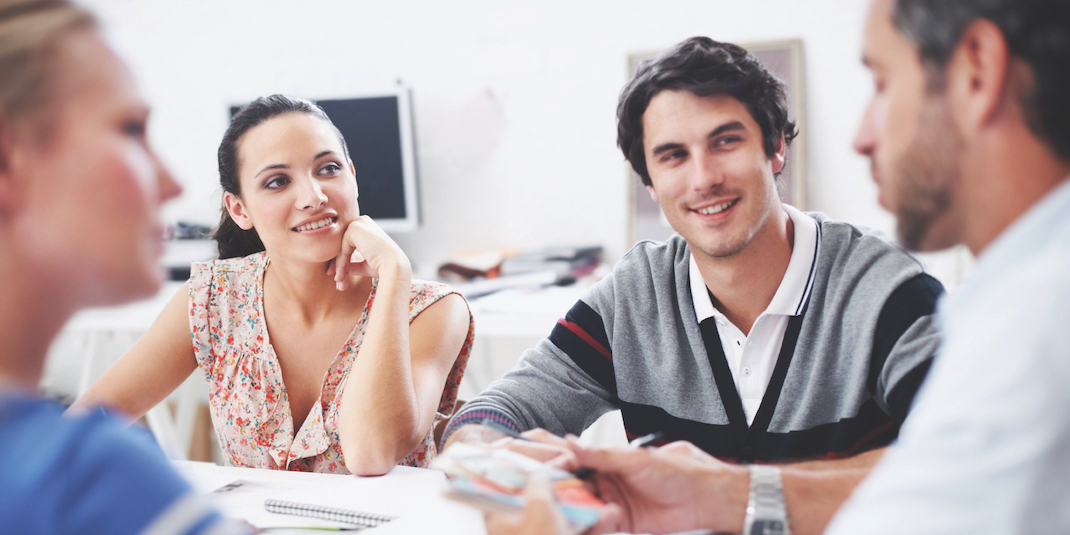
413	495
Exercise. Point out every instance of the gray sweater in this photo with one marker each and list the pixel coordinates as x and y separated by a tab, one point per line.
847	373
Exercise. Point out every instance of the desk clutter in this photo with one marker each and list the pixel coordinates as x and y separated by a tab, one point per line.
483	272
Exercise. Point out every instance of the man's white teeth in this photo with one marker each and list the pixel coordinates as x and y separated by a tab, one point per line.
717	208
315	224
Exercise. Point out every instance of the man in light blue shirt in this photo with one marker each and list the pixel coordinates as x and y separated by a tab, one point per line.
969	137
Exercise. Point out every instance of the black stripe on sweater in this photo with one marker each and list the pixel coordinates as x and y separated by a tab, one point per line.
911	301
870	428
589	358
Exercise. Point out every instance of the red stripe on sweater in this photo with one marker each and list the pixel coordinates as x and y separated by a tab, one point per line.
578	331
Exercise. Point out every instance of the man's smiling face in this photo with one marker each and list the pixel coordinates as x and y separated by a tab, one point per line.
709	171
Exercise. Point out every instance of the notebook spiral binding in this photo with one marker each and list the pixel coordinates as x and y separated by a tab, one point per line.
323	512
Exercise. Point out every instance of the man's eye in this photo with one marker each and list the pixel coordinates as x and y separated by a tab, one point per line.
673	155
134	128
727	141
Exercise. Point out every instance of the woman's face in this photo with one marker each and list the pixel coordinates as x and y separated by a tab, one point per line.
90	215
298	190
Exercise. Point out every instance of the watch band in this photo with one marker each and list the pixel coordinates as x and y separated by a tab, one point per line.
767	514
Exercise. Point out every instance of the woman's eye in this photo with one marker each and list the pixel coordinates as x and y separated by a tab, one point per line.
276	182
331	169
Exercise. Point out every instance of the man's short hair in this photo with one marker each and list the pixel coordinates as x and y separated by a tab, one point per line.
704	67
1037	33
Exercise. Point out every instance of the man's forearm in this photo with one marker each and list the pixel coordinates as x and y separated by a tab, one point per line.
815	490
814	496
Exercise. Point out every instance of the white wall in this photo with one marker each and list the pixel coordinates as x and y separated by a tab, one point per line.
513	101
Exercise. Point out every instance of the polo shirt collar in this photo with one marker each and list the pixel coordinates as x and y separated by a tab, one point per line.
794	290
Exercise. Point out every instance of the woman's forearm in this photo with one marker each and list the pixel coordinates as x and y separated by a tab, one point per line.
379	415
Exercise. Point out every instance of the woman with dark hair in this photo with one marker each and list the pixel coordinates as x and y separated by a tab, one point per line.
304	372
79	186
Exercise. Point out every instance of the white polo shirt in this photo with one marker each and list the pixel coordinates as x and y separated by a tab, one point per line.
753	357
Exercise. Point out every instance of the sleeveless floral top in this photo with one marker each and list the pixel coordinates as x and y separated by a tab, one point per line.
249	406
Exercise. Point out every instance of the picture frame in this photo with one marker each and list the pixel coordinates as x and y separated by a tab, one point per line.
784	58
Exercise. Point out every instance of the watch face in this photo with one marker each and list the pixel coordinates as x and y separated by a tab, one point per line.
768	527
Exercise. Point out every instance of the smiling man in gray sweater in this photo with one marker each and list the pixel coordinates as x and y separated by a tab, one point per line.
758	333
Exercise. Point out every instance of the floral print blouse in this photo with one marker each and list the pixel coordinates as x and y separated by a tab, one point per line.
249	406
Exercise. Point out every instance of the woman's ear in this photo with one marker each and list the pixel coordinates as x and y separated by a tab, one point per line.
237	210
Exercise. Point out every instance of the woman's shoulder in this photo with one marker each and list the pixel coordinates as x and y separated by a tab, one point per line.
227	272
425	289
425	293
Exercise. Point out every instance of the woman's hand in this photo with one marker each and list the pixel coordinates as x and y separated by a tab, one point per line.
367	251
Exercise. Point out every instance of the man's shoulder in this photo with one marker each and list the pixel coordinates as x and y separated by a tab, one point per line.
853	250
51	459
653	257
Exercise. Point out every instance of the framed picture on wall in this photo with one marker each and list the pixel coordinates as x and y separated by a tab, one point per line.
783	59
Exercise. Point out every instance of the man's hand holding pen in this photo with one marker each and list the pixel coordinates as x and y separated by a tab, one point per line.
650	490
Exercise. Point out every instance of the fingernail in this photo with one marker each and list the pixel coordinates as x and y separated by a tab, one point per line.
338	285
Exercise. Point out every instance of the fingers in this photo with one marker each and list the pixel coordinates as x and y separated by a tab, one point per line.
543	436
536	450
538	517
539	491
366	250
686	449
610	520
341	262
602	460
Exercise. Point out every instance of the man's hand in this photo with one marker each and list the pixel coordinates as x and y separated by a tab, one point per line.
674	488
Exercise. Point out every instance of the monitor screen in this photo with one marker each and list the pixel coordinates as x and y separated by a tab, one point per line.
378	132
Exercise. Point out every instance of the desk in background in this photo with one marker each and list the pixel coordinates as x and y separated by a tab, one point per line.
413	495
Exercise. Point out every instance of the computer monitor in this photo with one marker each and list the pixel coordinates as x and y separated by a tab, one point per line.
378	131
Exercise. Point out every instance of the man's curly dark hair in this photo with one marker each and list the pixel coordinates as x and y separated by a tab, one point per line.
704	67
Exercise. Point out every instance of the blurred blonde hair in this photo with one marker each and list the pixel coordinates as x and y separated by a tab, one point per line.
30	34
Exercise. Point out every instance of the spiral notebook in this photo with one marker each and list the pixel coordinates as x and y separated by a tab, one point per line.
323	512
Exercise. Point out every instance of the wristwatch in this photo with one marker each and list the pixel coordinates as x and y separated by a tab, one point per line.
767	514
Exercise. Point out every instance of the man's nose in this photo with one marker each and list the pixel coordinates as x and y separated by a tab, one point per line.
706	174
865	140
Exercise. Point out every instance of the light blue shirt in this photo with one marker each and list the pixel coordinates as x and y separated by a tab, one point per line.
986	448
90	475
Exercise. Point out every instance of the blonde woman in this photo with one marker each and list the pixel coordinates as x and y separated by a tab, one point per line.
80	192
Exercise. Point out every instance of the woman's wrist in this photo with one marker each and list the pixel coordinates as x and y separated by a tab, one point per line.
398	272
